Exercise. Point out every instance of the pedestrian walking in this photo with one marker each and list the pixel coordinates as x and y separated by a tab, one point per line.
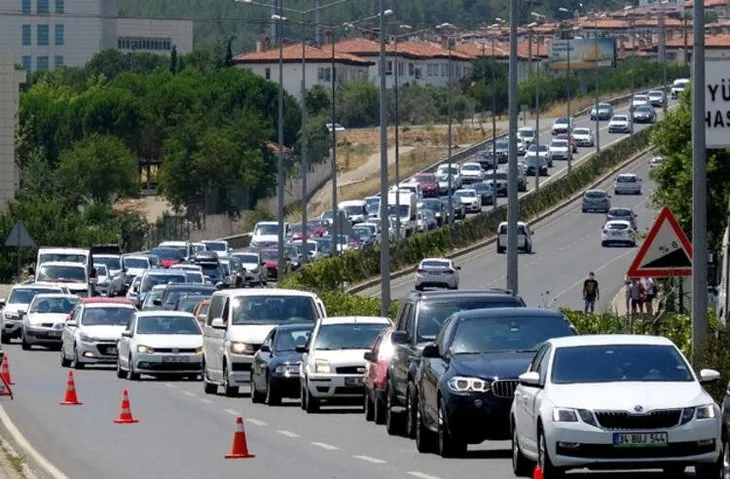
637	296
590	293
650	295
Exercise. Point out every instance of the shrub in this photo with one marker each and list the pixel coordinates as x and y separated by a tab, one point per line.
341	304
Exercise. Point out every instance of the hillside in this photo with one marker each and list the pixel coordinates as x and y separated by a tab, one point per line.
216	21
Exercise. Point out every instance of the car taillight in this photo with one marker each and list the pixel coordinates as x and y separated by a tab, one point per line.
420	271
448	271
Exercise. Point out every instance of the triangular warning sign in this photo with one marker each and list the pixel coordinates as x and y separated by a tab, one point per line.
19	237
666	251
5	387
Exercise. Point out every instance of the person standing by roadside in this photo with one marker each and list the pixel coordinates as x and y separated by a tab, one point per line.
590	293
637	297
627	293
650	295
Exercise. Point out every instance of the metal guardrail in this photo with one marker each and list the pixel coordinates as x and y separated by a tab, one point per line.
243	240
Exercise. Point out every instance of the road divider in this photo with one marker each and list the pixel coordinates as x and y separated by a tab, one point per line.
328	276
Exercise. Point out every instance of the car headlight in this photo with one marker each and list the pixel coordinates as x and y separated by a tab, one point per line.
461	384
199	351
322	366
700	413
90	339
241	348
561	414
10	315
142	349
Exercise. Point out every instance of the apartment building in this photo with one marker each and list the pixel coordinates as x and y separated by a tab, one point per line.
10	80
47	34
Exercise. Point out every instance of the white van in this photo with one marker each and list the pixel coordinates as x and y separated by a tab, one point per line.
238	321
524	237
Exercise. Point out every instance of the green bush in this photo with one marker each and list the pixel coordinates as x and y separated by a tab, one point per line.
354	267
341	304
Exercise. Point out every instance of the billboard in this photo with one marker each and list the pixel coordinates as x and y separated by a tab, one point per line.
584	53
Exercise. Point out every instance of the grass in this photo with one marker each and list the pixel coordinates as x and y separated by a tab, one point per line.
558	109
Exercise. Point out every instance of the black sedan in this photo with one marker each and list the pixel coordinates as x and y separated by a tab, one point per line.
644	114
483	189
467	377
275	369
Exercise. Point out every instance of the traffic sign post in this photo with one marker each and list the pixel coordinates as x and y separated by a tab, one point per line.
19	238
666	252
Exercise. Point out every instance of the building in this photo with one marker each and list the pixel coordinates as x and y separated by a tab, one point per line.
10	80
717	47
46	34
318	66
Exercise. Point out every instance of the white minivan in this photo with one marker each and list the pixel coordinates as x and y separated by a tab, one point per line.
524	237
238	321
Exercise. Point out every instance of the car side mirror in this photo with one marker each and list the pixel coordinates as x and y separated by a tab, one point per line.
708	376
265	348
301	349
431	351
369	356
531	378
127	334
399	337
218	323
157	301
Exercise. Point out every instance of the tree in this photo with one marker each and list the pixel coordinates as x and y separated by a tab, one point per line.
99	168
674	177
112	62
357	104
319	101
173	60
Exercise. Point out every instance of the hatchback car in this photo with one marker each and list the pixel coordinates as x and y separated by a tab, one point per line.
437	272
626	214
596	200
656	97
640	100
469	198
627	184
524	237
562	125
619	124
559	150
644	114
43	324
617	232
376	376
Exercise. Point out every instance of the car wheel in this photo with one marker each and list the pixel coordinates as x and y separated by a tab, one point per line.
379	412
604	244
392	419
424	437
64	361
419	287
75	363
520	465
5	339
256	396
208	387
711	471
24	344
131	375
368	407
312	403
120	371
228	390
272	397
448	445
543	458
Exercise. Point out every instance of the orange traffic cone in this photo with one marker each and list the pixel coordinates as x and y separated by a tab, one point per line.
125	416
239	449
537	473
70	399
5	370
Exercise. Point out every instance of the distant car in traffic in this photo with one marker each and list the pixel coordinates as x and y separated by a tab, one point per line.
627	184
626	214
376	376
583	137
596	200
437	272
562	125
603	110
644	114
656	98
678	87
524	237
655	162
617	232
639	100
619	124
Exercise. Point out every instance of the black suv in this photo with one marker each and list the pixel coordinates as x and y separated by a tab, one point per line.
418	322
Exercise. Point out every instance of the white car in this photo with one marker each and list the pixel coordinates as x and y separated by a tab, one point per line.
73	275
471	173
655	162
16	305
656	97
253	264
640	100
619	124
627	184
527	136
219	246
559	150
627	401
266	234
92	333
336	126
678	87
524	237
442	174
471	200
562	125
43	324
160	343
583	137
617	232
333	363
437	273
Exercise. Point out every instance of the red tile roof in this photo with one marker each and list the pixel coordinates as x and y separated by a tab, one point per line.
293	53
711	41
708	3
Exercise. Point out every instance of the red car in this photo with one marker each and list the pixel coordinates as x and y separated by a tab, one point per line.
565	136
271	262
167	256
429	184
298	232
318	227
376	376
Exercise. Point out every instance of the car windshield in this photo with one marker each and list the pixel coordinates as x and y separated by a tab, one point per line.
481	186
620	118
136	263
520	229
560	143
273	309
212	270
291	339
561	121
434	263
62	257
173	294
248	258
167	253
311	247
644	109
619	363
194	277
107	316
270	255
347	336
363	232
353	210
433	314
498	175
62	274
525	133
26	295
399	210
266	230
151	280
189	303
425	178
471	167
640	97
502	144
111	263
595	194
167	325
534	148
217	246
52	305
581	131
617	226
512	333
101	270
626	179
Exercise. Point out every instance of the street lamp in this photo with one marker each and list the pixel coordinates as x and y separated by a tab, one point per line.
445	26
598	91
279	20
537	103
567	88
496	25
513	205
627	9
384	216
663	50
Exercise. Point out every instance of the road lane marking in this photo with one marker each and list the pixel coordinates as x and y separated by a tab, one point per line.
255	422
288	433
373	460
323	445
232	412
603	266
421	475
171	386
189	394
206	401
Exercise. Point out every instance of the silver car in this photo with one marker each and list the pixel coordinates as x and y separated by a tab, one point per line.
625	214
43	324
437	273
627	184
596	200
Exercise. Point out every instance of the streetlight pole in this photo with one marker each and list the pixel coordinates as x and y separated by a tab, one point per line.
633	51
397	143
335	250
663	52
384	217
305	160
279	19
449	78
513	205
598	91
494	126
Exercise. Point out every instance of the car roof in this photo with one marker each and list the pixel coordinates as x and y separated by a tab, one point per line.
264	292
519	223
55	295
595	191
354	320
53	250
289	327
608	340
105	255
64	263
187	286
163	272
511	312
162	312
100	300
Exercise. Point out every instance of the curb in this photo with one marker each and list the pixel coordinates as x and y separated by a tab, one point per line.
476	246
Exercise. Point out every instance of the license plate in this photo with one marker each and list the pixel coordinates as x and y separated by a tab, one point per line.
54	334
175	359
353	381
640	439
112	350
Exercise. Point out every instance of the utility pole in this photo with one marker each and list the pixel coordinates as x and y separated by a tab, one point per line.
280	166
699	184
317	27
513	206
397	146
537	131
570	120
598	93
384	217
449	94
335	251
305	162
663	53
494	127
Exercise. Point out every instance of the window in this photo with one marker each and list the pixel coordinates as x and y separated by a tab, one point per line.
60	34
43	6
60	6
144	43
324	74
43	35
26	35
26	7
389	67
41	63
268	73
58	61
411	69
27	63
